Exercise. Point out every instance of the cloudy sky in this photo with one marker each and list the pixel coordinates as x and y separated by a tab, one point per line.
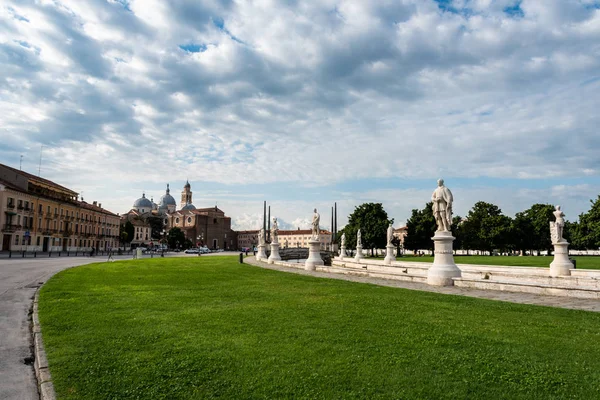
305	103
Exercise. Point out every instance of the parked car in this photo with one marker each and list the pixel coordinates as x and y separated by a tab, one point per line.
204	250
192	251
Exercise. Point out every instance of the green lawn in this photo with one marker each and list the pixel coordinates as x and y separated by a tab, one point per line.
583	262
207	327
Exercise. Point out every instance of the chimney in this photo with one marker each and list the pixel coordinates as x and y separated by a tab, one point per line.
95	202
100	205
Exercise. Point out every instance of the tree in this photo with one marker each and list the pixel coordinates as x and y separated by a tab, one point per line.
176	238
589	227
531	228
156	226
372	220
129	229
486	228
421	228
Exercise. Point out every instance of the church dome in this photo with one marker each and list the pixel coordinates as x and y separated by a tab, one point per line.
167	199
188	206
187	184
143	202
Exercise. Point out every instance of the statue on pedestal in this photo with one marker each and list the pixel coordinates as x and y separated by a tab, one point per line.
285	243
442	206
344	239
556	227
315	225
274	232
261	237
358	239
390	235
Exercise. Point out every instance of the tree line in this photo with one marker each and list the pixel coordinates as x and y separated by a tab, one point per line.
486	228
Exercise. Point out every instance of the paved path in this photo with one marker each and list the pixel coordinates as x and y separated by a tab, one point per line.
511	297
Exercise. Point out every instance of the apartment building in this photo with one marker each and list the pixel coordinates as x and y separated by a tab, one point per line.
37	214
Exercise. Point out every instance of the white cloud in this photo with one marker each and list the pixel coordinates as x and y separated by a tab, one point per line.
311	94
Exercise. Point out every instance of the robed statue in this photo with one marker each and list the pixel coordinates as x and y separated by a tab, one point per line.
274	232
442	206
315	225
557	226
261	237
344	239
358	239
390	235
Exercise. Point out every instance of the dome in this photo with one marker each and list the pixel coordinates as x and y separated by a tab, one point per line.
188	206
143	202
167	199
187	184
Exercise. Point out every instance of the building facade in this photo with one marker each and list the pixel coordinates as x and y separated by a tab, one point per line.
40	215
301	237
208	227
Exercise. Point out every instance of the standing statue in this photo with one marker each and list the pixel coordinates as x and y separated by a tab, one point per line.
442	206
344	239
390	235
274	232
261	237
556	227
315	225
285	243
358	239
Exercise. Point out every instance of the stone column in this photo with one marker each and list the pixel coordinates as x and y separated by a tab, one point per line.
262	254
274	253
443	268
561	265
314	255
359	255
389	255
342	253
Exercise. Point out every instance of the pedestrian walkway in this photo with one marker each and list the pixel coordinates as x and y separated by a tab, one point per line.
511	297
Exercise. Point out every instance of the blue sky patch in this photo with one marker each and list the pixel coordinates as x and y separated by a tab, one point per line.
193	48
515	10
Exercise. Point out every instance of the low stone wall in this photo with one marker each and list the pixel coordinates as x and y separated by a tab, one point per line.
301	253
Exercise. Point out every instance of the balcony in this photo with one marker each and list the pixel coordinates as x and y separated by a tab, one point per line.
48	216
20	207
10	205
66	233
9	228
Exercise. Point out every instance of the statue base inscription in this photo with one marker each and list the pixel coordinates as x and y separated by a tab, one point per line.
342	253
443	268
389	255
314	255
262	254
359	254
274	253
561	265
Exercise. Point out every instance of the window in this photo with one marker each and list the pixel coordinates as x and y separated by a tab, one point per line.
16	239
189	220
48	209
27	205
38	241
18	220
176	220
40	208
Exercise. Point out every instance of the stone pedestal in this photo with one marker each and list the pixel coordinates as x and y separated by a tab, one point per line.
561	265
359	254
342	252
274	253
443	268
262	254
389	255
314	255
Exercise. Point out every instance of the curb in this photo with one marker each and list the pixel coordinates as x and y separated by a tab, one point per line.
42	373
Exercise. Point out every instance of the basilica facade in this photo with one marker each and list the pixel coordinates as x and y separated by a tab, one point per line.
208	227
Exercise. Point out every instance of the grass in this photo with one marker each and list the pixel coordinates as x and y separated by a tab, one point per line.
583	262
207	327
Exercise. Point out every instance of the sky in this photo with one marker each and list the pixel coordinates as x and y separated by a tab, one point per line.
306	103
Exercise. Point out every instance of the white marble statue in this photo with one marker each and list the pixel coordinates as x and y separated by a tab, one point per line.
556	227
390	235
274	232
442	206
315	225
358	239
261	237
344	240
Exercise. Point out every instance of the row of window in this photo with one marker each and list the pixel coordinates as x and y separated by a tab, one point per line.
24	205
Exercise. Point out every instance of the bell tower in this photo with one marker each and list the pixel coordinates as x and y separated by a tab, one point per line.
186	194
